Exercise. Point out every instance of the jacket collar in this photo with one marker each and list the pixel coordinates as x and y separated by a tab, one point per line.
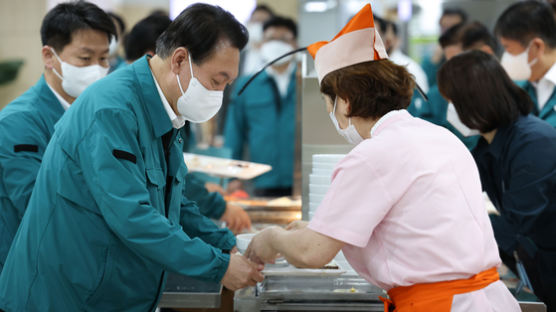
160	121
497	146
48	98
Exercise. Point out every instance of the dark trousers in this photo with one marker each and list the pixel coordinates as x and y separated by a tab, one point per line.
541	270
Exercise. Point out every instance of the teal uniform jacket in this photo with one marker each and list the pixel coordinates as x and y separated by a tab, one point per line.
548	112
26	126
107	217
435	111
211	204
264	121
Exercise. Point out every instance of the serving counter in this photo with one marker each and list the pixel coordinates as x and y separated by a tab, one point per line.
342	290
333	290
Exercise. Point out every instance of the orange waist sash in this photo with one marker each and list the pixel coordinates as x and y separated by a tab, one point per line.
436	297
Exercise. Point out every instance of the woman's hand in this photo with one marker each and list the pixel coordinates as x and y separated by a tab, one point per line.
260	249
297	225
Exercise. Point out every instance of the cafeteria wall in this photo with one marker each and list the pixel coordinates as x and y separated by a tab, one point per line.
289	8
20	22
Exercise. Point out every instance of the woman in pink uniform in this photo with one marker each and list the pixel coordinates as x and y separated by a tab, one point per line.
405	205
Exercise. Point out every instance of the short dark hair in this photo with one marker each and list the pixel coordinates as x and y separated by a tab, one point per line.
60	23
159	12
394	28
373	88
142	37
265	8
280	21
382	24
483	94
119	20
475	33
455	11
451	36
199	28
522	21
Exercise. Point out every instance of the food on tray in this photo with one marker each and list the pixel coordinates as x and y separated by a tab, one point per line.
332	265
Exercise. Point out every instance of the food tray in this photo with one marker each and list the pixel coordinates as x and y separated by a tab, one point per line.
224	167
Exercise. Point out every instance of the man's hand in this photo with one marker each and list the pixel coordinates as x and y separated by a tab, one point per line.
236	218
260	249
242	273
297	225
234	185
213	187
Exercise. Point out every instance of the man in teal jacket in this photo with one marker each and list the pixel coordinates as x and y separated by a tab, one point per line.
107	217
527	31
78	33
141	40
263	117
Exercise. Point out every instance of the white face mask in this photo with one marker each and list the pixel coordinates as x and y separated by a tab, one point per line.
453	118
76	79
275	48
350	133
517	66
255	32
113	47
198	104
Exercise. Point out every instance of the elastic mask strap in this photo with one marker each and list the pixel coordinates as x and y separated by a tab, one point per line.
190	66
60	61
334	112
179	84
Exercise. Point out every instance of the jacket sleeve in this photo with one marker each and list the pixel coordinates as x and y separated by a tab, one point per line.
211	205
119	187
20	158
197	225
235	129
528	193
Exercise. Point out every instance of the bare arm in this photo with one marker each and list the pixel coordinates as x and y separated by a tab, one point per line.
302	248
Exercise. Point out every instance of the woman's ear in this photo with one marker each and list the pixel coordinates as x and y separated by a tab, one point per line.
343	105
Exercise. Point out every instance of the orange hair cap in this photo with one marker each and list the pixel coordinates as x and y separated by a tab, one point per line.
357	42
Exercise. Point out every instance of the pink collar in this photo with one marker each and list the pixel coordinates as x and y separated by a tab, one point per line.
387	119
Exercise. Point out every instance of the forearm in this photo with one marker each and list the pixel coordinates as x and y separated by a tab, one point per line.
304	248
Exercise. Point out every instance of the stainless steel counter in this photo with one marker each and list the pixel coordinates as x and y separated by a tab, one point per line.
186	292
323	292
532	306
341	293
